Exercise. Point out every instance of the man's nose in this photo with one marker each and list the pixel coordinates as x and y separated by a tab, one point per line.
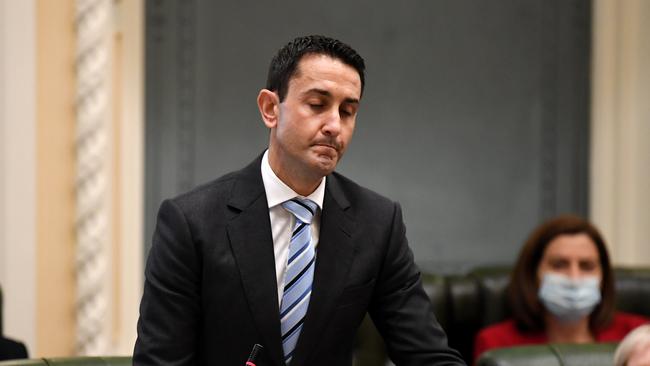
332	126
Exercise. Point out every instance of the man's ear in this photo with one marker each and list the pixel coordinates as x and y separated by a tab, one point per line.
268	103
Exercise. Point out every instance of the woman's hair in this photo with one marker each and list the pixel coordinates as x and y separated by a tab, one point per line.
639	336
526	307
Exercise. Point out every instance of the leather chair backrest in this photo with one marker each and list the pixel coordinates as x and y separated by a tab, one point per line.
633	290
475	300
551	355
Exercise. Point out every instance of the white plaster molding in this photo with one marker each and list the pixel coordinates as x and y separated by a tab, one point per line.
93	140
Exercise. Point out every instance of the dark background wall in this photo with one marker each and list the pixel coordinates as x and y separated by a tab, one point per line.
475	115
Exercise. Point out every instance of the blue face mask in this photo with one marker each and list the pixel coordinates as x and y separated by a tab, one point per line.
569	300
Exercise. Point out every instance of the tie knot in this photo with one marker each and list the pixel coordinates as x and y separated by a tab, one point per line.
302	209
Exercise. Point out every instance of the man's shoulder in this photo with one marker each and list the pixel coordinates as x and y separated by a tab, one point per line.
218	187
358	194
220	190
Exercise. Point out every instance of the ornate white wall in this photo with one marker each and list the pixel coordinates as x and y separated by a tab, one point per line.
31	291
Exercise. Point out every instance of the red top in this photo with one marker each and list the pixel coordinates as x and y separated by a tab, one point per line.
506	334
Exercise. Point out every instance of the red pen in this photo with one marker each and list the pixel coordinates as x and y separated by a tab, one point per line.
257	348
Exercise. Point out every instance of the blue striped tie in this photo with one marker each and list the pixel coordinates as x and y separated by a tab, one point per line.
298	276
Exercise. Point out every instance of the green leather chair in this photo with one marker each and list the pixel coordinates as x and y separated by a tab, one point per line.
551	355
24	362
476	299
71	361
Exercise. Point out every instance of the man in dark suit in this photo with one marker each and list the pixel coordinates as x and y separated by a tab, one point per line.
286	253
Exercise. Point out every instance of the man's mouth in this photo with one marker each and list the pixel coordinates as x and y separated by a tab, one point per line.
335	147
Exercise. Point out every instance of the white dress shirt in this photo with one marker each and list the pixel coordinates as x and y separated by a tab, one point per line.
282	221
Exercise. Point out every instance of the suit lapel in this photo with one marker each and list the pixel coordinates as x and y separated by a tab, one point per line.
333	259
249	232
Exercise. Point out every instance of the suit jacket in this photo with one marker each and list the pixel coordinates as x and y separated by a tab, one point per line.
210	287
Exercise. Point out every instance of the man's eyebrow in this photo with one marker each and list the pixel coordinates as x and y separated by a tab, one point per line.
326	93
352	100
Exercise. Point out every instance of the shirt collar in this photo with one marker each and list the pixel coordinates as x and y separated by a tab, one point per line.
277	191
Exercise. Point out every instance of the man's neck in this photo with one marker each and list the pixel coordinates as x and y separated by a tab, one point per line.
296	179
300	186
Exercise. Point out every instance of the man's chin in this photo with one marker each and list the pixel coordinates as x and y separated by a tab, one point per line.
325	164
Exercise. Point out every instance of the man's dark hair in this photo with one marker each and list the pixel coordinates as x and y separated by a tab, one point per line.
284	63
526	307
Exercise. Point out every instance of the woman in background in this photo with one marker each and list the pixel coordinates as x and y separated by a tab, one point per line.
561	291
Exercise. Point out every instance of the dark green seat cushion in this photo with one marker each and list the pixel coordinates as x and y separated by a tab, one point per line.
600	354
